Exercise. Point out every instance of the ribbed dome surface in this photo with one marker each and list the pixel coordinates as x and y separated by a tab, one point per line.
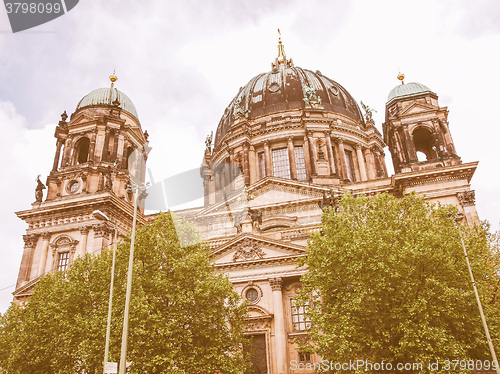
285	89
106	96
408	89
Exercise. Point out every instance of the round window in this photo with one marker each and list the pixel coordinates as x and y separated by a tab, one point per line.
73	186
252	295
273	87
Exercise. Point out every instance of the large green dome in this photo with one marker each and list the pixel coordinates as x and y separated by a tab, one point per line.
106	96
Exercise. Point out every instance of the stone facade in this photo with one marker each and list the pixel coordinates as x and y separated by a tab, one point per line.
290	143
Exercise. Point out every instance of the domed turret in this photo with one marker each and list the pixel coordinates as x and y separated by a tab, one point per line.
416	129
107	97
408	90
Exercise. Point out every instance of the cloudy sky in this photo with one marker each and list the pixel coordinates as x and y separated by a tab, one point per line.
181	63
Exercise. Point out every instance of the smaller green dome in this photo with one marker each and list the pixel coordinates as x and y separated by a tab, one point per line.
106	96
407	90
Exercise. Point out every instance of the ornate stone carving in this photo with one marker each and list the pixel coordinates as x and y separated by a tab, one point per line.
276	283
84	230
368	112
39	190
239	109
328	200
100	230
46	235
30	240
248	250
258	323
311	97
467	198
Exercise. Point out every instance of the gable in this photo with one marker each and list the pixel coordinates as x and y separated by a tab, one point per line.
248	249
417	107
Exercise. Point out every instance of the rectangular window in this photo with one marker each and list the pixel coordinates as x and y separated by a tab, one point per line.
281	164
262	165
300	163
350	165
63	261
299	316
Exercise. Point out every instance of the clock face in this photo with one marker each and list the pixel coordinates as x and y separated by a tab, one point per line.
73	186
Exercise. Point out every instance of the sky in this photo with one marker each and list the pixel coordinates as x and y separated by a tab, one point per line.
182	62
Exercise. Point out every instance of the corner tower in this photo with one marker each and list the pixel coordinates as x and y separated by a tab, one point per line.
91	170
416	129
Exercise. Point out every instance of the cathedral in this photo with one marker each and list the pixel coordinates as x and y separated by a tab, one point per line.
290	143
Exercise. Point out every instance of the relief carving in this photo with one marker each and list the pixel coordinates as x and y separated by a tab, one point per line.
248	250
467	198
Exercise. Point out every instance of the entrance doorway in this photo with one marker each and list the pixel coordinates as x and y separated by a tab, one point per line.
255	351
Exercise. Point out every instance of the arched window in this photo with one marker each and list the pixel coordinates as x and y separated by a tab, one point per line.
82	151
424	142
130	150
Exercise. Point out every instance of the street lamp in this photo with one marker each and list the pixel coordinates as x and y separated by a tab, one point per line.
103	217
138	192
457	218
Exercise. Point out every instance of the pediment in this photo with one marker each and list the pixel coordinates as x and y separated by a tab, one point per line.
80	118
27	289
249	248
417	107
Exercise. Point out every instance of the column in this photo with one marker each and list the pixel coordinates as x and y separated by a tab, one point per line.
361	162
279	325
115	146
246	163
124	162
370	164
68	146
93	139
43	256
105	147
307	157
29	245
343	165
330	152
313	155
291	158
58	154
82	249
267	157
252	158
119	149
410	147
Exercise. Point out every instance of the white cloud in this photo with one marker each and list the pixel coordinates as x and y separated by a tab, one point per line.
24	152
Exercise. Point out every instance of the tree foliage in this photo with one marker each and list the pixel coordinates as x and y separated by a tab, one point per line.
184	318
391	283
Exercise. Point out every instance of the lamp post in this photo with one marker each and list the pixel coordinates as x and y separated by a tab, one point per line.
458	217
103	217
138	192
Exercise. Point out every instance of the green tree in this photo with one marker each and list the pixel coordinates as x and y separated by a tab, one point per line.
184	317
390	283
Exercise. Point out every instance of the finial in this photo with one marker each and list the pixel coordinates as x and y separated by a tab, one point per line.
401	76
281	60
113	78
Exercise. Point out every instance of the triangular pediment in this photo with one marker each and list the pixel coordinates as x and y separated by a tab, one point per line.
247	249
27	289
269	191
417	107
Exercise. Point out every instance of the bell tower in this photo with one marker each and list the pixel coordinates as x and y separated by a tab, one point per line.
98	153
416	129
